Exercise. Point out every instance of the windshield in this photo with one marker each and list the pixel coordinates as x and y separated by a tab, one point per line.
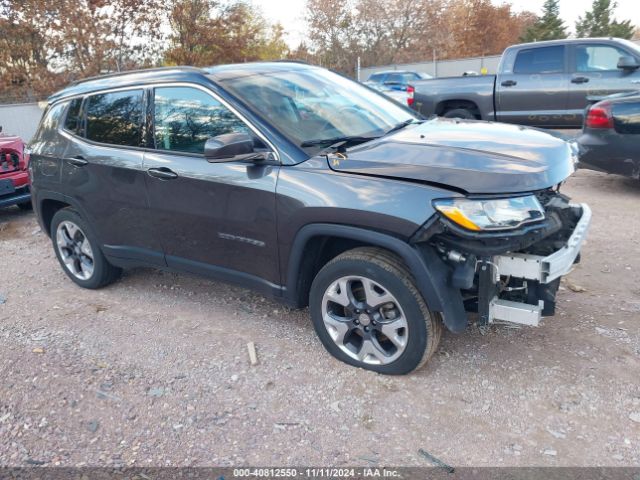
312	105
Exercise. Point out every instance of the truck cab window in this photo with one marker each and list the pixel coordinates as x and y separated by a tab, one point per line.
597	58
540	60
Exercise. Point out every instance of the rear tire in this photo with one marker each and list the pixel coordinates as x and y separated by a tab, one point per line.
460	113
367	312
78	251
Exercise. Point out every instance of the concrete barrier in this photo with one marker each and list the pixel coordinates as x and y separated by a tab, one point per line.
444	68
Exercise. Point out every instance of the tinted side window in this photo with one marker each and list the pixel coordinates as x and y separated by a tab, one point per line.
115	118
73	122
540	60
377	77
597	58
402	77
186	117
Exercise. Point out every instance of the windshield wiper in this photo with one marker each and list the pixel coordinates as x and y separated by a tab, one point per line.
337	141
401	125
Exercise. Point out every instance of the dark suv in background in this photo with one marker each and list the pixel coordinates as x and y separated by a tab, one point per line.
313	189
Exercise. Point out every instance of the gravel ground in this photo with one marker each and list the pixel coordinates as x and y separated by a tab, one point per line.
154	370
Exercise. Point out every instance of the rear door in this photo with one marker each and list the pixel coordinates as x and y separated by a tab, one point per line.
102	171
533	87
216	219
594	73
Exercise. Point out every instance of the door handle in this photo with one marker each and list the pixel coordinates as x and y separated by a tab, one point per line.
579	80
509	83
77	161
162	173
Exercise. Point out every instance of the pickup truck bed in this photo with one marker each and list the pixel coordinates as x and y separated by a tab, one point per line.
449	97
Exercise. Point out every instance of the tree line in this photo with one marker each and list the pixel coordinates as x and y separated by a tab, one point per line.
45	45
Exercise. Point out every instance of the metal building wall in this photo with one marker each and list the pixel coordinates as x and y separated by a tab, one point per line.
20	119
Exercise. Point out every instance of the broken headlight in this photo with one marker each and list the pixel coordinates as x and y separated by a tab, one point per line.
491	214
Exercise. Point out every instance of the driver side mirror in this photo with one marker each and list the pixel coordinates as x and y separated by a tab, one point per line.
229	147
627	62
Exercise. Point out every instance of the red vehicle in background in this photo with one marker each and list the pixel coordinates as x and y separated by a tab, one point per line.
14	176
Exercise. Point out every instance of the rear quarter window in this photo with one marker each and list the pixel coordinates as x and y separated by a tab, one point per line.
46	138
115	118
72	122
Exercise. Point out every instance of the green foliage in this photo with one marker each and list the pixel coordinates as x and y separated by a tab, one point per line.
599	22
548	27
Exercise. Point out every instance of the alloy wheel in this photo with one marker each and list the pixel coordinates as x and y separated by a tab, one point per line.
75	250
365	320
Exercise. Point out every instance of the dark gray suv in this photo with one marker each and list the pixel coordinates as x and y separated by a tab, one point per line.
313	189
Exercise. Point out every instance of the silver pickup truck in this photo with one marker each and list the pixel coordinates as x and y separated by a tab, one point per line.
544	84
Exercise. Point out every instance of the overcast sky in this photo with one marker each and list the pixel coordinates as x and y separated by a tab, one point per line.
291	12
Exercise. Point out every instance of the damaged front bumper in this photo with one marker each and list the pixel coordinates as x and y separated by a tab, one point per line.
547	269
542	270
513	277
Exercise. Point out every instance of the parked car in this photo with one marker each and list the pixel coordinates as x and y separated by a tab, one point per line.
544	84
312	189
610	140
14	177
405	97
396	79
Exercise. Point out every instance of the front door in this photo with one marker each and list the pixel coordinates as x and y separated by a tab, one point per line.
216	219
534	89
595	73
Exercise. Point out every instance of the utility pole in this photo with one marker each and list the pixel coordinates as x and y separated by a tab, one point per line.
435	64
358	69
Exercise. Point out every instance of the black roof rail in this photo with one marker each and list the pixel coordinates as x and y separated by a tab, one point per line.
140	70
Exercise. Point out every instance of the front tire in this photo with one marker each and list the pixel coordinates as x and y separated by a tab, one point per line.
367	312
78	251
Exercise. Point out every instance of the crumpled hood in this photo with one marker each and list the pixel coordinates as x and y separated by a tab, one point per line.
473	156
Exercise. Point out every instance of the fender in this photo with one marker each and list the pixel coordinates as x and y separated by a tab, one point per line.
40	196
430	272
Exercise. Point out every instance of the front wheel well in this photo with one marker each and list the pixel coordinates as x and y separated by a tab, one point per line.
448	105
317	252
48	209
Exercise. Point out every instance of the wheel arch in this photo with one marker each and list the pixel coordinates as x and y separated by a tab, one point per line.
48	203
452	104
429	271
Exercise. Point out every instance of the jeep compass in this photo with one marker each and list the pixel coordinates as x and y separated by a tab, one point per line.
313	189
